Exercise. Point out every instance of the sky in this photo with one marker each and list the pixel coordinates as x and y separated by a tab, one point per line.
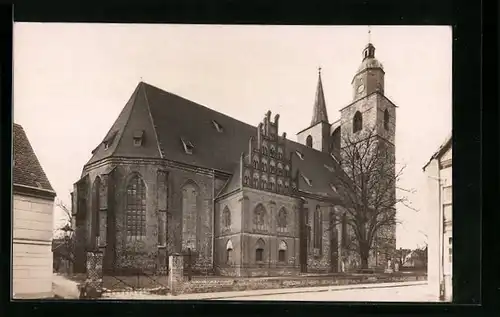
72	80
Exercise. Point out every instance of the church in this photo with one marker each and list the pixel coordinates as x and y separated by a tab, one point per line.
173	176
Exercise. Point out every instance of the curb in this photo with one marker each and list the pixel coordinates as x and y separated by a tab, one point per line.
329	289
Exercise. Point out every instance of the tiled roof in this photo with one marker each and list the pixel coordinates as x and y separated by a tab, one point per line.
26	170
169	119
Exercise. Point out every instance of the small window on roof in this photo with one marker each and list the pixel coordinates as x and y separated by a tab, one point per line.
217	126
109	140
307	180
188	146
300	155
138	137
333	188
331	169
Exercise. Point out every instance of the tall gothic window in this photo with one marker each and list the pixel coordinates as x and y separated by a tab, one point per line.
255	162
229	252
135	220
386	119
226	218
309	141
344	230
318	229
259	218
96	207
282	251
357	122
190	205
256	180
259	251
282	221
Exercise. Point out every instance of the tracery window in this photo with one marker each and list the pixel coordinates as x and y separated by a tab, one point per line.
357	123
259	251
256	180
135	220
226	218
259	218
282	251
282	220
318	229
272	167
256	162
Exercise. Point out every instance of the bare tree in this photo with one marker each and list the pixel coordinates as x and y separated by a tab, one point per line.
368	184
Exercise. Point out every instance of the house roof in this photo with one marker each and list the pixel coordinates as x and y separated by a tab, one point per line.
441	150
27	170
168	119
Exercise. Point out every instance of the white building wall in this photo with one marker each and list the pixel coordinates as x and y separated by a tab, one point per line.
439	214
32	247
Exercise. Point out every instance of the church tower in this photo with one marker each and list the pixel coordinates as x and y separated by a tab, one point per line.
372	115
318	132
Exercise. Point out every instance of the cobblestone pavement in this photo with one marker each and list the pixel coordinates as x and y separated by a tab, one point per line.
409	291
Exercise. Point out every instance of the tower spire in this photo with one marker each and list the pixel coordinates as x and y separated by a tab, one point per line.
369	34
319	109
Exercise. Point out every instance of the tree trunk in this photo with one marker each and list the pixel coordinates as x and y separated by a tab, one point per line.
364	253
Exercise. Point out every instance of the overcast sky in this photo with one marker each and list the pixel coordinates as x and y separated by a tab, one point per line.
72	80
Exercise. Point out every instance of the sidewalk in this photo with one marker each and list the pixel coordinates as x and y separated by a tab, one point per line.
229	295
64	288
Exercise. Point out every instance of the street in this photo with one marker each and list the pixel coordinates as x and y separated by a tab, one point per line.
411	293
387	292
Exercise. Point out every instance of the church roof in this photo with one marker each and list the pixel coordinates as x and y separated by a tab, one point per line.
216	141
26	169
319	109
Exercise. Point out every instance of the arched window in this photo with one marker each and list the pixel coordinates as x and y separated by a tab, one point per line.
318	229
280	152
96	207
272	184
287	170
255	161
386	119
280	185
335	140
190	205
287	185
259	251
280	169
263	182
264	149
229	252
272	166
256	180
282	251
259	218
344	230
309	141
273	150
264	165
226	218
246	178
282	220
357	122
135	219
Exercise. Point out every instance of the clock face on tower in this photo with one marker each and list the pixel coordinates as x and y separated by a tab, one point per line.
361	88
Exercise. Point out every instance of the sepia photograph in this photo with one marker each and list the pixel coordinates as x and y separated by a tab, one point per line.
232	162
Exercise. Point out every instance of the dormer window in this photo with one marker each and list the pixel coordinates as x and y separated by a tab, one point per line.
300	155
109	140
138	137
217	126
334	158
307	180
333	188
331	169
188	146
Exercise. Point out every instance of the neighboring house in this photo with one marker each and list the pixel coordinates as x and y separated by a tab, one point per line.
415	259
439	197
33	204
172	175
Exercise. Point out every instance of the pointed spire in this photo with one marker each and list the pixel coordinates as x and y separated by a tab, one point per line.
319	111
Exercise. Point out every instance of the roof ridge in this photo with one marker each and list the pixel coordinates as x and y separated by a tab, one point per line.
120	137
200	105
151	118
